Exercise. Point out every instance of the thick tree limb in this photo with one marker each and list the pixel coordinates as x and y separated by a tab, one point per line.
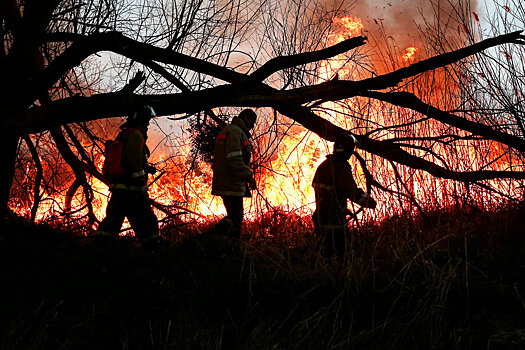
390	151
341	89
78	169
38	177
408	100
450	57
8	154
283	62
287	102
332	90
118	43
182	87
78	166
134	83
88	108
88	164
116	104
30	31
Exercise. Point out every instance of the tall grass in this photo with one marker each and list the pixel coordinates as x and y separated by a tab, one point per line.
448	279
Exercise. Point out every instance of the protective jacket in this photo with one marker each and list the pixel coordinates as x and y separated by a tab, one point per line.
129	198
134	160
231	163
333	184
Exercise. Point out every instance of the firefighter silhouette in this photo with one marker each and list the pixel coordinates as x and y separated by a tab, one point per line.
334	184
127	171
232	174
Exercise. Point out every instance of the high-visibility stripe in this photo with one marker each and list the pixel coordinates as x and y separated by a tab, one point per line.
323	186
128	187
138	173
233	154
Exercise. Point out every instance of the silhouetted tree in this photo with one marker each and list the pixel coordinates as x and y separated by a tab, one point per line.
197	57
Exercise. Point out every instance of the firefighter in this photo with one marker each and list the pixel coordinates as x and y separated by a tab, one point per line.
129	190
232	174
334	184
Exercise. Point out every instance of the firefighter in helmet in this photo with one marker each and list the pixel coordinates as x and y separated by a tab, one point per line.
129	190
334	184
232	174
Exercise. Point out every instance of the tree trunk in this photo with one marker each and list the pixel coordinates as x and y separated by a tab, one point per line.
8	151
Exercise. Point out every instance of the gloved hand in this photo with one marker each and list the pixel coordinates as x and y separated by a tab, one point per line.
150	169
367	202
371	203
251	184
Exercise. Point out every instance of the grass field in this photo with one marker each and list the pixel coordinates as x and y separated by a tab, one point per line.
450	279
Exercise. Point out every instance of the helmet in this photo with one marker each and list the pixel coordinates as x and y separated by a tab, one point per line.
141	116
248	115
345	144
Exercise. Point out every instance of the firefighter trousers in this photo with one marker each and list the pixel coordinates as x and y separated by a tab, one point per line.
232	222
333	237
134	205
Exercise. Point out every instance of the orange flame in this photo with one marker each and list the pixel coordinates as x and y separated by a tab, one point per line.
284	180
410	54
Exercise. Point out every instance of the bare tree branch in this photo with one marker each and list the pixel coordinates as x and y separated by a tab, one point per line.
283	62
408	100
38	178
391	151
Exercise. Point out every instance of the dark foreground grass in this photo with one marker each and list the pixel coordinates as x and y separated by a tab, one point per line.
448	280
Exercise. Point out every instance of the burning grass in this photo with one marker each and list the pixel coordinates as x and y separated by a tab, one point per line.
286	155
447	279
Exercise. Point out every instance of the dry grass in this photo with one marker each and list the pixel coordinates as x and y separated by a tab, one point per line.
451	279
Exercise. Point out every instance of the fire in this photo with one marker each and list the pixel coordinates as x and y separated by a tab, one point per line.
410	54
287	156
346	27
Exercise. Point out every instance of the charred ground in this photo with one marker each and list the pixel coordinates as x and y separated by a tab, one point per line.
450	279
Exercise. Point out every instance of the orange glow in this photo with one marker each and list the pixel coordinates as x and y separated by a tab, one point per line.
348	27
287	156
410	54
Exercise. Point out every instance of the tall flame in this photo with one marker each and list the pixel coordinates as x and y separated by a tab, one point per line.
284	180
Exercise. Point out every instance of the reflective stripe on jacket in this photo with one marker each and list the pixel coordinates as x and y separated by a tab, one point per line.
333	184
231	162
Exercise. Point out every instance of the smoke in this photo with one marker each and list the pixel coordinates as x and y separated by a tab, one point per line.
406	22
